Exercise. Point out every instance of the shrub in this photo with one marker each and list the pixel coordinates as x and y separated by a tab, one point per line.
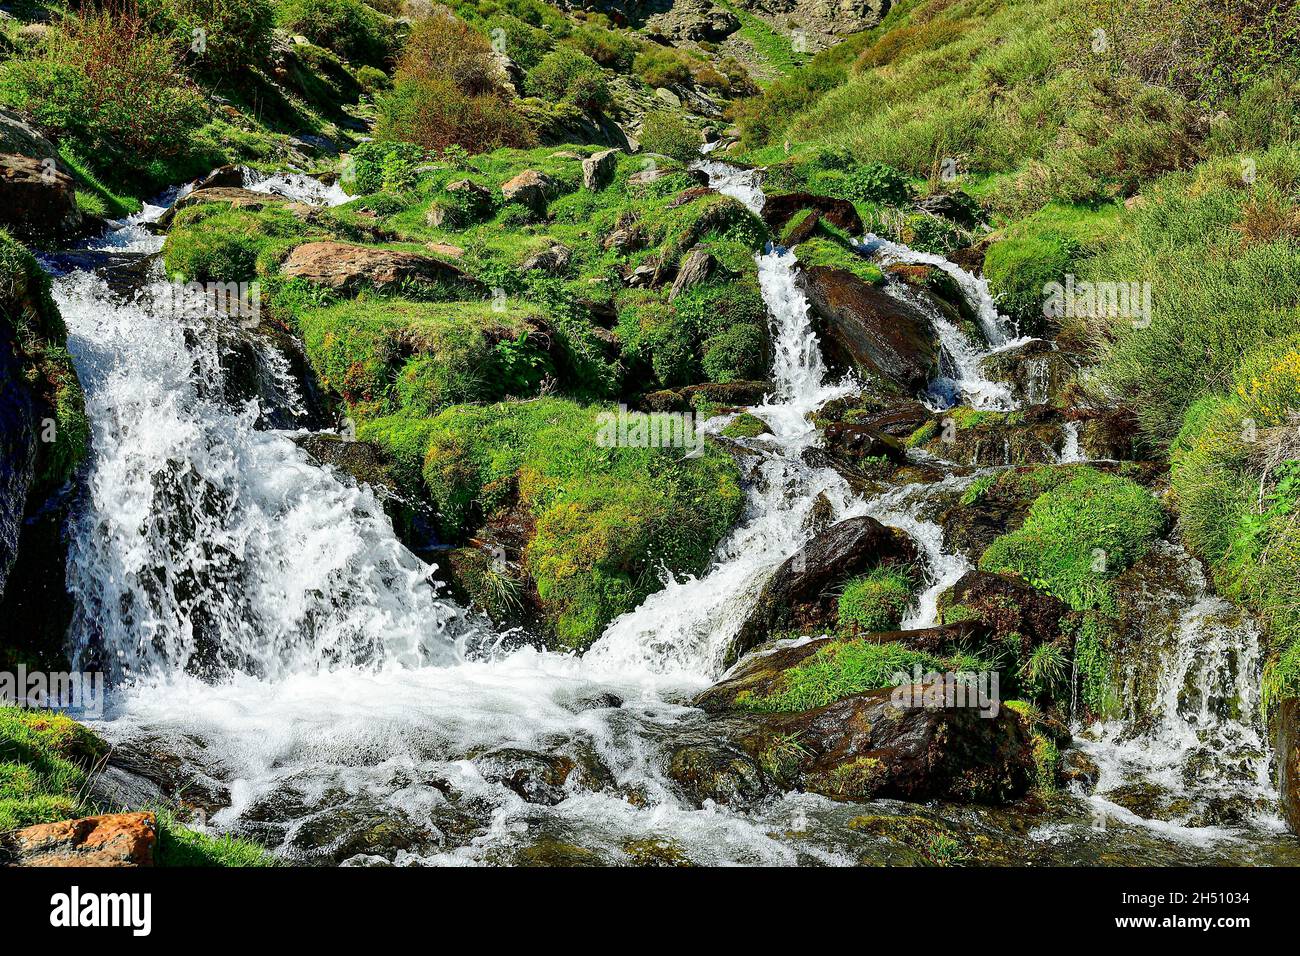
112	87
567	75
735	354
377	166
348	27
436	114
1019	270
660	66
524	44
235	34
446	49
608	47
669	133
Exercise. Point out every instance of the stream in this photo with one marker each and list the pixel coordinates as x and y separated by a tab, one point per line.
267	632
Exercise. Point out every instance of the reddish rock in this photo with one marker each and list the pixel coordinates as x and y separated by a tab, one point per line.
116	839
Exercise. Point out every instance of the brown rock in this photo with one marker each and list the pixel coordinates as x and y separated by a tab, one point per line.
599	168
852	443
865	327
116	839
338	265
779	210
37	198
530	188
445	249
1288	761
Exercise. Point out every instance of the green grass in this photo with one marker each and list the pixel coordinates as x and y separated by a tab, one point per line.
840	669
775	49
215	243
876	601
1078	536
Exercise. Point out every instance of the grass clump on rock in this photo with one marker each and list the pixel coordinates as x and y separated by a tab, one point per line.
876	601
839	670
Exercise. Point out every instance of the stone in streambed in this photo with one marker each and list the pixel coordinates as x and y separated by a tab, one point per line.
863	327
780	209
800	592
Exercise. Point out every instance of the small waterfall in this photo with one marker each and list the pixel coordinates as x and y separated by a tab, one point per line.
1071	453
295	186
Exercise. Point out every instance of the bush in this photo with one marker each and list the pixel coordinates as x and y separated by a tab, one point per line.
669	133
567	75
1019	271
348	27
436	114
236	34
524	44
736	354
660	66
112	88
377	166
445	49
608	47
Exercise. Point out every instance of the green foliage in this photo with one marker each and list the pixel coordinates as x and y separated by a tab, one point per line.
1019	270
378	166
610	48
437	114
178	846
110	88
1078	536
214	243
44	762
28	313
839	670
746	425
736	354
607	518
836	254
876	601
661	66
348	27
669	133
236	34
568	75
525	44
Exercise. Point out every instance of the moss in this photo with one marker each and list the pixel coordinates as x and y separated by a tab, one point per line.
821	251
938	844
839	670
923	434
1019	270
607	518
41	338
735	354
179	846
390	355
1078	536
214	243
746	425
876	601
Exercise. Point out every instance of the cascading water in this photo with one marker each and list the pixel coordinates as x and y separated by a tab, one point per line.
270	630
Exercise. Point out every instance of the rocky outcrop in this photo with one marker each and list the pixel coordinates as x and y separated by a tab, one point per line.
695	268
824	23
800	593
1008	607
113	840
861	326
530	188
349	268
853	444
694	21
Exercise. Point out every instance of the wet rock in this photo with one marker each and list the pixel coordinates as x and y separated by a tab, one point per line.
955	206
536	777
780	209
264	362
598	169
530	188
112	840
1008	606
1079	770
349	268
853	443
863	327
556	853
230	176
1032	436
714	762
1287	748
233	196
732	396
800	592
1036	371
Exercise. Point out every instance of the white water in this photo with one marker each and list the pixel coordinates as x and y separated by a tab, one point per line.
343	684
295	186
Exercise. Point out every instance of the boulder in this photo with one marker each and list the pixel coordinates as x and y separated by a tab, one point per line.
955	206
229	176
695	268
598	169
800	593
863	326
1287	748
852	443
236	197
1008	607
552	260
345	267
780	209
530	188
38	200
115	839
